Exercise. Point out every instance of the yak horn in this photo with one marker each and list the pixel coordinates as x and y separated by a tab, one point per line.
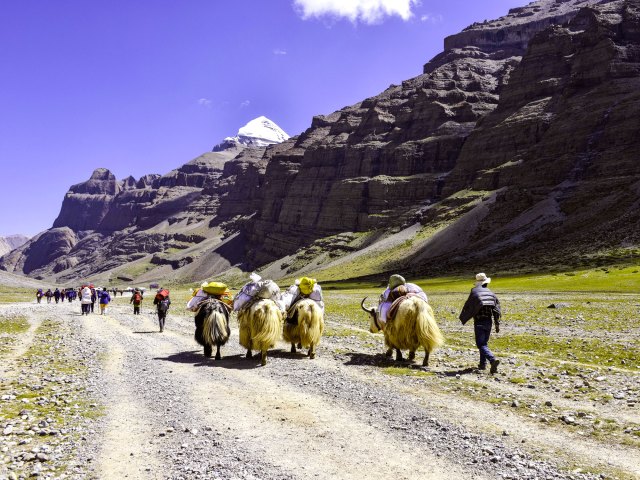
368	310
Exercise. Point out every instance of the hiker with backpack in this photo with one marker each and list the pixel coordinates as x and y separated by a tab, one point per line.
136	299
56	294
85	300
39	295
105	298
484	307
162	302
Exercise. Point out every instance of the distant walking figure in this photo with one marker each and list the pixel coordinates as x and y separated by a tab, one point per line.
56	295
94	297
48	294
136	299
105	298
162	303
484	307
39	295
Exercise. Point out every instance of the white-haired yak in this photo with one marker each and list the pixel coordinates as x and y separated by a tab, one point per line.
212	326
260	327
306	326
413	327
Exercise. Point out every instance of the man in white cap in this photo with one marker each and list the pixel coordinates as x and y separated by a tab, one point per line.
484	307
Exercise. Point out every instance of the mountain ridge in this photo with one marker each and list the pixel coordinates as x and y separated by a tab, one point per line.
505	148
11	242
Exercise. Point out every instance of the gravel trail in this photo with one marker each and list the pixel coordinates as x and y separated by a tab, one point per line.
169	412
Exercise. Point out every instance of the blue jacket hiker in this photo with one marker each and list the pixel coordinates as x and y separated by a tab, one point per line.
484	307
105	298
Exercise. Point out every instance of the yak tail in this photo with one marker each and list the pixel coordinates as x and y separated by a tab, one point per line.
266	324
216	329
310	322
244	328
429	334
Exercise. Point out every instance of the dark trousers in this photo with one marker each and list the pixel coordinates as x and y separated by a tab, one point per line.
161	318
136	309
483	333
85	308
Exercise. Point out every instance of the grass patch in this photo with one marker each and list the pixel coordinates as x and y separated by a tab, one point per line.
10	329
586	351
16	294
406	372
49	388
13	325
518	380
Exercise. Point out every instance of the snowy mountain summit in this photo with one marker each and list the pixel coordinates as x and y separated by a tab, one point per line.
259	132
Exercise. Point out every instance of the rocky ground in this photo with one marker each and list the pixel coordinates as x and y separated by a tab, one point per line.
111	397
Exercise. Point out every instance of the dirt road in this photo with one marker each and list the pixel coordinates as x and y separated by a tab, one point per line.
169	412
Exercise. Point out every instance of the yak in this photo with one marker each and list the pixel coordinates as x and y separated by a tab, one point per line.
212	326
260	326
307	326
414	326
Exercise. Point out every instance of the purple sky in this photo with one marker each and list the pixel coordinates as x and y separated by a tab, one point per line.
144	86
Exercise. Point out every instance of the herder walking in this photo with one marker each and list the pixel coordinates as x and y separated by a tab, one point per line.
484	307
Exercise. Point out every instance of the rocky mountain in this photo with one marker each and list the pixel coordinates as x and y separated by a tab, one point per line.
515	146
10	242
484	143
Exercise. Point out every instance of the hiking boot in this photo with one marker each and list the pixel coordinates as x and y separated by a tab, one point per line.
482	366
494	366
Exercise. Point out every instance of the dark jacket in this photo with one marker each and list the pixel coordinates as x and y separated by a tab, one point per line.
483	306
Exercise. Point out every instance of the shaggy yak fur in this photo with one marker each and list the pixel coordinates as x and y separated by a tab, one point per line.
413	327
212	326
309	329
260	327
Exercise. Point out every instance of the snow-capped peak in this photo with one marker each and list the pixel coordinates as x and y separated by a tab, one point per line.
259	132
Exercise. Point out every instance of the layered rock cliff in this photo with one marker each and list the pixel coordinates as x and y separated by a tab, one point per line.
376	163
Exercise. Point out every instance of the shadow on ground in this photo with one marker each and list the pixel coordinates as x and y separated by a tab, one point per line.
197	359
462	371
380	360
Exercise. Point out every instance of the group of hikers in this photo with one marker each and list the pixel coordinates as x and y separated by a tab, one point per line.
87	294
482	304
58	295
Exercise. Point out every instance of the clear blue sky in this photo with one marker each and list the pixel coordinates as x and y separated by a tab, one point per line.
143	86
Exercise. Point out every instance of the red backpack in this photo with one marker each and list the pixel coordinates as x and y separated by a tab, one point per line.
162	294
